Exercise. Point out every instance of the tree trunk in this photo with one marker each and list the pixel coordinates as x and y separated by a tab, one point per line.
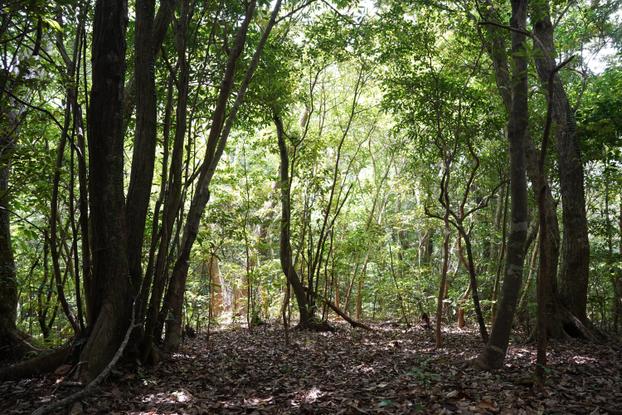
111	298
143	159
177	285
8	280
473	285
285	248
174	187
501	255
494	353
441	287
222	122
497	51
574	267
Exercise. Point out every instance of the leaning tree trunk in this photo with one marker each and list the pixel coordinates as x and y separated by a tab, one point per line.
222	124
111	297
285	248
574	266
177	286
494	353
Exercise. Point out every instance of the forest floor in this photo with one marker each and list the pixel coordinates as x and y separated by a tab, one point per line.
390	370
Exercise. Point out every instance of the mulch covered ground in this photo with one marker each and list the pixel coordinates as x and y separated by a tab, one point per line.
390	370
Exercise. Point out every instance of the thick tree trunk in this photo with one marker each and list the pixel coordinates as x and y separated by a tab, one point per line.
574	267
111	297
494	353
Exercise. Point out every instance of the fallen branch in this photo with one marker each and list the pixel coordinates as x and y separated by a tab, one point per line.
341	313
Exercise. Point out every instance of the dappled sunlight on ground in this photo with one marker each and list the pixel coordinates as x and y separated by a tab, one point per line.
391	370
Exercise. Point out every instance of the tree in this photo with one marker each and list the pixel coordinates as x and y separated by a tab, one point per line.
111	296
285	247
575	253
494	353
219	133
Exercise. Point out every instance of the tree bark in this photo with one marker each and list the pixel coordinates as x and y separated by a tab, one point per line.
111	298
285	248
494	352
496	46
574	266
8	279
143	159
174	186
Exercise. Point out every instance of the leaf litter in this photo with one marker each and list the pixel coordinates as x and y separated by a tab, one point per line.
392	370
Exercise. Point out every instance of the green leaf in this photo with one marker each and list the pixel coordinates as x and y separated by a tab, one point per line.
52	24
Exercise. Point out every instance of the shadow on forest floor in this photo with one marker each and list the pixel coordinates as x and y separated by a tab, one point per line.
390	370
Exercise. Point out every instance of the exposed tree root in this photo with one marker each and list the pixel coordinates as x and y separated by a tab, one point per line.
315	325
38	365
90	387
16	345
565	325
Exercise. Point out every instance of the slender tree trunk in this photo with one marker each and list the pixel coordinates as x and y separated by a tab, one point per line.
143	159
111	300
285	250
474	290
217	140
545	290
174	187
442	283
494	352
497	50
60	155
397	290
532	268
162	21
501	257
